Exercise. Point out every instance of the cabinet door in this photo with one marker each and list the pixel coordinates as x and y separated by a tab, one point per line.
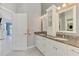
40	44
46	46
55	48
38	41
62	49
73	51
51	49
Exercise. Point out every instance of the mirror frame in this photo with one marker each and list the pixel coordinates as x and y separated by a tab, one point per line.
74	18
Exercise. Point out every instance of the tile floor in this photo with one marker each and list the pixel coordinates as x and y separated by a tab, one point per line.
29	52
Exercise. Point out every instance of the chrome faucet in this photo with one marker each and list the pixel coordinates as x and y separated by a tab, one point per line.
63	36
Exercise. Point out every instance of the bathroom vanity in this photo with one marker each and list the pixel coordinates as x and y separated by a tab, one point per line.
62	21
54	46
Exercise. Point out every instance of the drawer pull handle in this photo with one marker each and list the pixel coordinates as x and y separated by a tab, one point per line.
75	51
55	48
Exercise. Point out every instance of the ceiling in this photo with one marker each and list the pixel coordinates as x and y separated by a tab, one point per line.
22	7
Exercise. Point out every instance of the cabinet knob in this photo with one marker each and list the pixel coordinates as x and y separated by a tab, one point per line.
55	48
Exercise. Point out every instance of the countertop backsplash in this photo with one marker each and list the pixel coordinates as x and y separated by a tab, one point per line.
60	34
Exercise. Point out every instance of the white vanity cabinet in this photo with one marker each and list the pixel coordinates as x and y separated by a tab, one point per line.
45	46
40	43
56	48
50	47
73	51
61	49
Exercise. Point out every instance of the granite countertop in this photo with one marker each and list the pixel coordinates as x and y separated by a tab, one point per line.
72	42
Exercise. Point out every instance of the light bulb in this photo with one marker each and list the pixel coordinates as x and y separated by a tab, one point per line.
59	8
64	5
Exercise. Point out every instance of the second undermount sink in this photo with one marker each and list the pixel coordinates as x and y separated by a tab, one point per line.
63	39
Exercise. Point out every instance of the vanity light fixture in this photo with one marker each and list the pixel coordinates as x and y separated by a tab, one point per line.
59	8
64	5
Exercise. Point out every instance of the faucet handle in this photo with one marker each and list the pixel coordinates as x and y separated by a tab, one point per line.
63	36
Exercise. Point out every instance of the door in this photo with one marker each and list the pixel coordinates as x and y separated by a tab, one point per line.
20	31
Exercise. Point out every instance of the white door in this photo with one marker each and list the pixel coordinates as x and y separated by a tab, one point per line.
20	31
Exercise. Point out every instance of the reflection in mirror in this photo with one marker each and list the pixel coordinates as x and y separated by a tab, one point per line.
62	21
50	18
66	20
44	23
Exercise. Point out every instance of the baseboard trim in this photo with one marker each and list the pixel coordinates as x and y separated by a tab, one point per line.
40	51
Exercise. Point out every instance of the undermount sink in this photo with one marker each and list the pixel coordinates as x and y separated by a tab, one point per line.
63	39
43	34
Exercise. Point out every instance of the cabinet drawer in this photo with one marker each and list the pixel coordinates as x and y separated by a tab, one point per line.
56	48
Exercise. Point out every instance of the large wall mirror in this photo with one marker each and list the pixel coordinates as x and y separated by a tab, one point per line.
44	22
67	19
